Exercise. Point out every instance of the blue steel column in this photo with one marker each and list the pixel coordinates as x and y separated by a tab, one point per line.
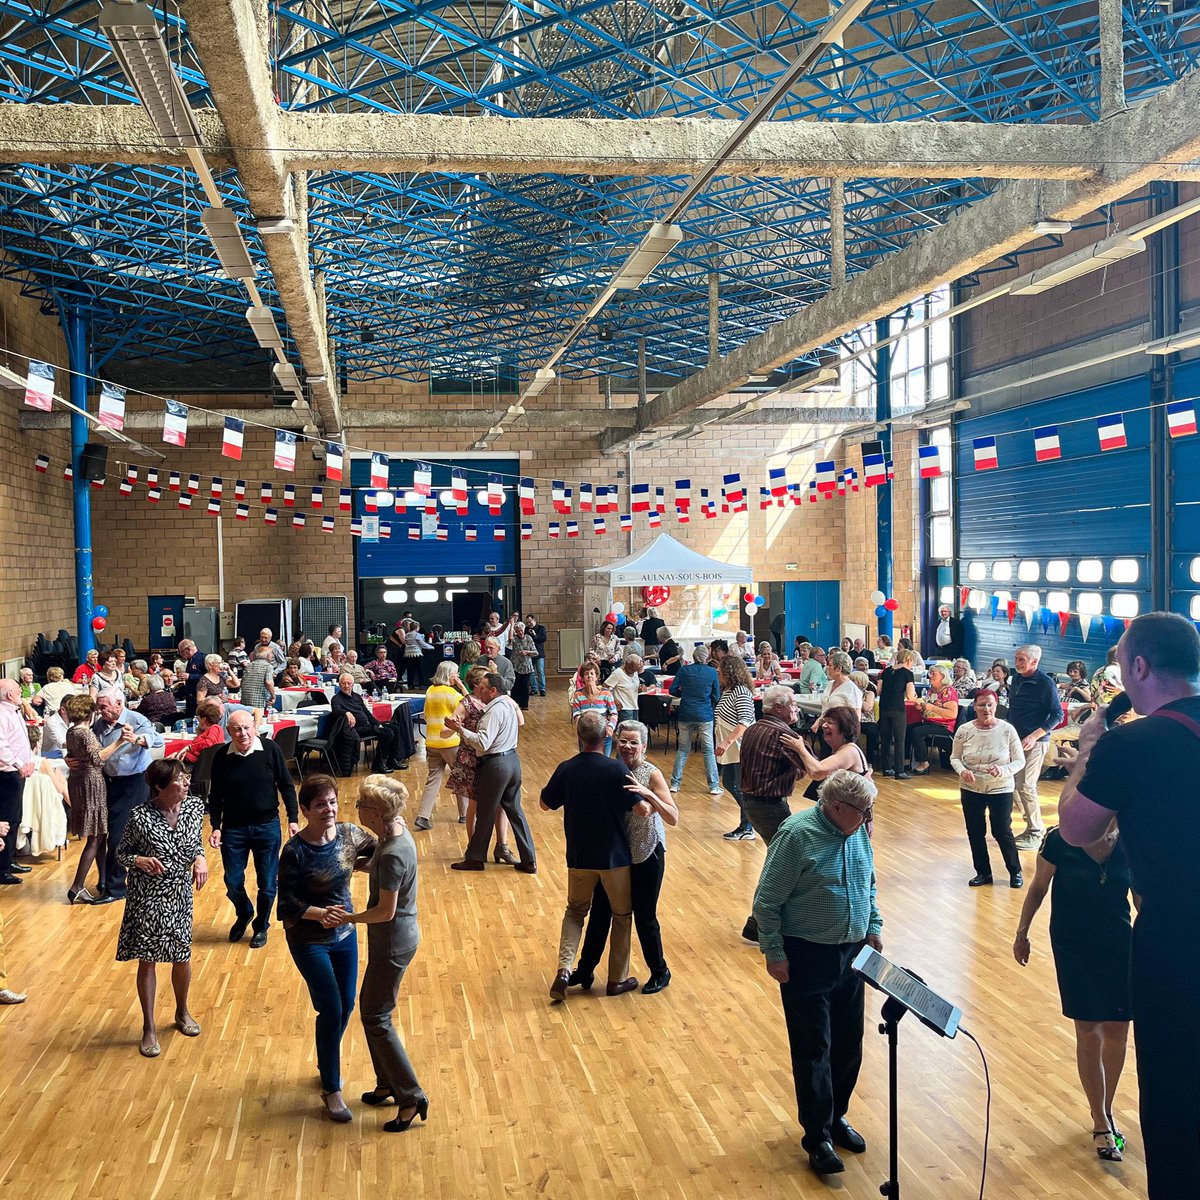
81	491
883	493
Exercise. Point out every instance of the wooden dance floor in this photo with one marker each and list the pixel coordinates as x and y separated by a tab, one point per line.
683	1094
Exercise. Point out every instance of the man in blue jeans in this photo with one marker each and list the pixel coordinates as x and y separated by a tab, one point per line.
698	688
248	777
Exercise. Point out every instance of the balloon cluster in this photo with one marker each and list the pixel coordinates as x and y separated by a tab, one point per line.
883	604
617	616
754	601
99	617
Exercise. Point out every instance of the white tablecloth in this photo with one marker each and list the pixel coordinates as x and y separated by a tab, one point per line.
292	699
43	819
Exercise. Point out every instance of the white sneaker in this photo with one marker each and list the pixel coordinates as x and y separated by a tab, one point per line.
8	996
1029	841
715	792
674	787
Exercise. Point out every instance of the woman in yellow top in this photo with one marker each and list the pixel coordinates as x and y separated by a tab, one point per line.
441	746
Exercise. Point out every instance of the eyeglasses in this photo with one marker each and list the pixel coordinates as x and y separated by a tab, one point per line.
865	813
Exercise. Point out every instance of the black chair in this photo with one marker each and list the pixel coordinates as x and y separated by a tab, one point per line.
656	711
321	746
202	772
287	740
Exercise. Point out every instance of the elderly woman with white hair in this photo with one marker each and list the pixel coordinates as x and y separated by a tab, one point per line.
217	681
840	691
522	650
647	851
939	714
158	704
766	665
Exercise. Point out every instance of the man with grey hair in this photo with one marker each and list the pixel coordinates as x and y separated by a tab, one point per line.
124	773
815	909
625	684
258	680
1034	710
16	765
591	790
698	687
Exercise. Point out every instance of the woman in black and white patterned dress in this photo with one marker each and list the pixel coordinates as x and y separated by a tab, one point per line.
163	851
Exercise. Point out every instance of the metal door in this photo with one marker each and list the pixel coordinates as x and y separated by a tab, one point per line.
814	610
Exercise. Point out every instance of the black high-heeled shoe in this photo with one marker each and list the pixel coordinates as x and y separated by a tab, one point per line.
400	1124
375	1097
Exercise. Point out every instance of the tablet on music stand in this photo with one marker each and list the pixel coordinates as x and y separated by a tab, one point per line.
927	1006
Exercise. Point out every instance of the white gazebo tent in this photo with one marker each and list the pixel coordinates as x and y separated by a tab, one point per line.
664	561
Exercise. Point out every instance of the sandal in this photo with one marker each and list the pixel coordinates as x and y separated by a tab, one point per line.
1108	1148
1118	1136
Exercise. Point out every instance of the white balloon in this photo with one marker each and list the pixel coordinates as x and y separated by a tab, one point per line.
751	609
877	597
618	607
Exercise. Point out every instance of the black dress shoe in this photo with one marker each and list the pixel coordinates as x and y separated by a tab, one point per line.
19	869
846	1136
656	983
581	979
621	987
558	989
980	881
467	864
824	1160
10	879
527	868
1016	881
259	939
238	929
105	898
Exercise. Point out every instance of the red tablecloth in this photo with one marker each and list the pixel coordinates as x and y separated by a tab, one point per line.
381	710
173	743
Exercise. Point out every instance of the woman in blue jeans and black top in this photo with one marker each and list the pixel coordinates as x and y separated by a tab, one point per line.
735	714
314	894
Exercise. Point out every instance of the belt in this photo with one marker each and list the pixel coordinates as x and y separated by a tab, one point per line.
765	799
498	754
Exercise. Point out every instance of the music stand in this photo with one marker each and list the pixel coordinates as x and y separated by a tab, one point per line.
905	992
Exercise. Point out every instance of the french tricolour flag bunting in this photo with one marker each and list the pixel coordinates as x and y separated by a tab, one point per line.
239	489
242	512
626	522
660	500
345	503
874	471
458	488
985	453
175	423
929	460
289	495
777	477
327	524
173	481
152	477
379	470
572	529
599	526
369	502
1181	418
298	520
554	529
214	507
271	516
499	533
1112	432
734	492
641	497
423	479
683	495
891	470
471	533
112	406
285	450
318	497
585	497
525	494
39	385
442	533
385	530
42	463
217	487
154	494
185	500
655	519
707	505
194	484
526	532
356	527
826	476
764	498
335	461
414	533
1046	444
495	495
558	495
233	439
682	515
266	493
126	488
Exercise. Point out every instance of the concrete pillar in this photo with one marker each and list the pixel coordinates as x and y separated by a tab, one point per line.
79	362
1112	58
884	566
641	370
837	233
714	316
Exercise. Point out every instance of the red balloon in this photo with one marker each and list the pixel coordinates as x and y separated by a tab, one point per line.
98	623
656	595
891	604
611	618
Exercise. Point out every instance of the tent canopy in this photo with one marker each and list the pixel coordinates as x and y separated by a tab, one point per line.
666	561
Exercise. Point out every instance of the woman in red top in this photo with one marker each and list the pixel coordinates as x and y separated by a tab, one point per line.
208	713
939	710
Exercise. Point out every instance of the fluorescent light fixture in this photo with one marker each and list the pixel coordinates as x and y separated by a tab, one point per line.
1075	266
270	226
286	377
221	225
495	431
516	410
659	241
543	377
1184	340
1047	228
138	47
262	325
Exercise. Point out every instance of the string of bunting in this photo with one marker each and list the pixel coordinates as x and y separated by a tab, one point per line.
977	599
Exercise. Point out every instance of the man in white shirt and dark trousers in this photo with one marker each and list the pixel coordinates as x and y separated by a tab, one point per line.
497	776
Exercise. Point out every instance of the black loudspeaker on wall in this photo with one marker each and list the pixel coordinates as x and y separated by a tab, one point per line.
93	461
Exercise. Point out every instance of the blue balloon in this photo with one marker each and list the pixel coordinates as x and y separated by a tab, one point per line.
100	610
620	620
880	611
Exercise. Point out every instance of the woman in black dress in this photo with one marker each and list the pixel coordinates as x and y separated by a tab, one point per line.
1090	935
163	851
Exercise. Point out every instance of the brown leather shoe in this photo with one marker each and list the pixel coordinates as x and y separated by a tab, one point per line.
467	864
619	989
527	868
558	989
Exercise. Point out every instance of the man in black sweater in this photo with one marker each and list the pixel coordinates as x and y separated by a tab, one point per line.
248	777
1034	709
358	722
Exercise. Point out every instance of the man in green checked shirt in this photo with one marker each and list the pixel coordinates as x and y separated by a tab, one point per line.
815	906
